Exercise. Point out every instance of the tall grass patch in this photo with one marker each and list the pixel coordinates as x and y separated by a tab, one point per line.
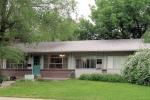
103	77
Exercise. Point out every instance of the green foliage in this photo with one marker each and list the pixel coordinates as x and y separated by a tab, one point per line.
12	53
55	22
72	75
86	30
84	77
58	28
137	68
43	80
116	19
33	21
146	36
103	77
5	78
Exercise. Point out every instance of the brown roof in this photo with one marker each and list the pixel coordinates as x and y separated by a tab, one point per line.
88	45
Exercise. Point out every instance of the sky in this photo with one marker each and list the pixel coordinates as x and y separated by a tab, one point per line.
83	7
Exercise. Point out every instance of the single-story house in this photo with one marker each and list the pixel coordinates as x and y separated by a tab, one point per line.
60	59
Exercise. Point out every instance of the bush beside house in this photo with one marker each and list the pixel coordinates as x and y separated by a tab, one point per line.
137	68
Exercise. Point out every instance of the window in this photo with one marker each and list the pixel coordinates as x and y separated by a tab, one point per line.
99	61
88	62
115	62
36	60
56	61
14	65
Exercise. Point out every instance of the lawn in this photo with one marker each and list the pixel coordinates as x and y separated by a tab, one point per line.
77	89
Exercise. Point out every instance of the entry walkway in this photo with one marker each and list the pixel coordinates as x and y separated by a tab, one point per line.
12	98
6	83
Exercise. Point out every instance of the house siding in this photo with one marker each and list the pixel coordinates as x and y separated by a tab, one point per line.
16	72
56	73
45	73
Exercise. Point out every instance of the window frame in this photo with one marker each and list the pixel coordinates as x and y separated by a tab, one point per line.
13	65
55	64
87	59
114	58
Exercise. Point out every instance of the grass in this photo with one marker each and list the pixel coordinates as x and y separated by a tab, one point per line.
77	89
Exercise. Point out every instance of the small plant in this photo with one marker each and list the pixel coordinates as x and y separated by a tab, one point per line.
72	75
5	78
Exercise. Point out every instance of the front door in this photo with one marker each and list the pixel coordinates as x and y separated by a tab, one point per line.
36	65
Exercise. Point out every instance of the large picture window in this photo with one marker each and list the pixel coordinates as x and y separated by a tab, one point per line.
88	62
115	62
56	61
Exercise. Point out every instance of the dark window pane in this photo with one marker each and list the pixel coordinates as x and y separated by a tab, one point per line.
52	60
88	63
77	63
99	61
93	63
58	60
59	66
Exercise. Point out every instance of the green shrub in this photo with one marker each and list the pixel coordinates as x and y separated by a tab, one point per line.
5	78
72	75
103	77
84	77
137	68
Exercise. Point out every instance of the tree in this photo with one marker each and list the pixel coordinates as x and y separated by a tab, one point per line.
58	28
146	36
22	19
115	19
56	15
86	30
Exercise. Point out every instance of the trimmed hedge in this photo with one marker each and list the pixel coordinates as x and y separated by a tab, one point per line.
103	77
